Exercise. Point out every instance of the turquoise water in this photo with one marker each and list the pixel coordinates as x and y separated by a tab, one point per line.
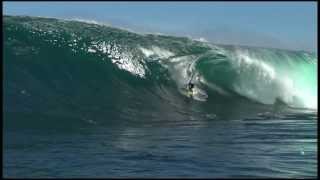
86	100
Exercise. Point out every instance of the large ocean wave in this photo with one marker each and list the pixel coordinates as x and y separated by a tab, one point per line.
65	67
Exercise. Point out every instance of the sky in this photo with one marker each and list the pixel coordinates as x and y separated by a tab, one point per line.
284	25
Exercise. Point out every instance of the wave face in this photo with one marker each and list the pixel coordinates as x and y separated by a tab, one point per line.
76	69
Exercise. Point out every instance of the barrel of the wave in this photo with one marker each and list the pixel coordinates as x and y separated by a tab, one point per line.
263	75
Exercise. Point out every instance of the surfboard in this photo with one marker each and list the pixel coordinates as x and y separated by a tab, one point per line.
196	94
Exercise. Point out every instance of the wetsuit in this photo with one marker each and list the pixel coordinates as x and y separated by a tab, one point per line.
190	89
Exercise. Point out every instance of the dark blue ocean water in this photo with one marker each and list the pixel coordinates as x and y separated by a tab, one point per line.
283	146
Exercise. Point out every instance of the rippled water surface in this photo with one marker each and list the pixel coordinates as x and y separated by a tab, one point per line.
268	146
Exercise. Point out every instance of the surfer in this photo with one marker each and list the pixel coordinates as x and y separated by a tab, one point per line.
190	88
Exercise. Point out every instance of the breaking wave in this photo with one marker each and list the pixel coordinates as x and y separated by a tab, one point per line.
53	65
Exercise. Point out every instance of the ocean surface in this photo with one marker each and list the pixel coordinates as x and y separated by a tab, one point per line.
90	100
